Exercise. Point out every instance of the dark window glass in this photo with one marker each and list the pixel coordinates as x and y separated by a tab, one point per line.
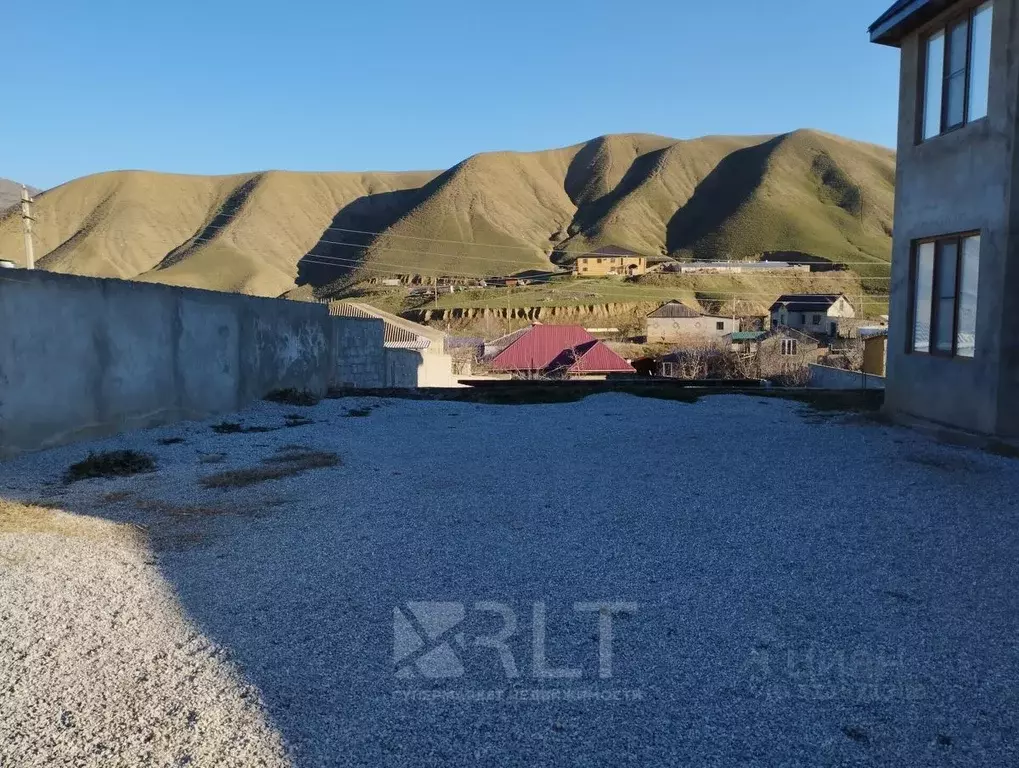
947	263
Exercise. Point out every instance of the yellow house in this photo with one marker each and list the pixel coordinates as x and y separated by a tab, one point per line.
875	353
610	260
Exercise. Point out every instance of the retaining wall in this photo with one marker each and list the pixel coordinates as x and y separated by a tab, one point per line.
84	357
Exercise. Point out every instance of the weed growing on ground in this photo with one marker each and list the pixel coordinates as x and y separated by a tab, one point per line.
110	464
291	396
233	428
286	462
358	412
227	428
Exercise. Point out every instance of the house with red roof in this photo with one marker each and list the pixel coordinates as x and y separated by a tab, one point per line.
559	351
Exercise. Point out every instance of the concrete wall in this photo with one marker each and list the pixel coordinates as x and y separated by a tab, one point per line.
83	357
360	358
825	377
666	329
407	368
960	182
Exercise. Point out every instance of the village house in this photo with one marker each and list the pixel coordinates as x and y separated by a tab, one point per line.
416	354
558	351
952	356
610	260
786	352
674	321
819	313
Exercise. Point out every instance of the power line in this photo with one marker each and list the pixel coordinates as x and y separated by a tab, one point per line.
526	248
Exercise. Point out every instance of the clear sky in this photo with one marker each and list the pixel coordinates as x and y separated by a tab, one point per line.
224	86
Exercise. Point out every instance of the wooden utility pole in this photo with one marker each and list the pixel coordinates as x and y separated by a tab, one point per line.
26	219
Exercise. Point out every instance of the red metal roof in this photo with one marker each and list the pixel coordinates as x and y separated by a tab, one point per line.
546	347
598	358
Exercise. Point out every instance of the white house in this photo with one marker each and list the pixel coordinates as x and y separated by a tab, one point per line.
822	313
675	321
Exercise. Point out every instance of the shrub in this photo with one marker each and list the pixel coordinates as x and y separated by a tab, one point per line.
291	396
110	464
288	461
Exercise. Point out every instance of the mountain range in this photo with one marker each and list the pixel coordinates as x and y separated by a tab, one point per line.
266	233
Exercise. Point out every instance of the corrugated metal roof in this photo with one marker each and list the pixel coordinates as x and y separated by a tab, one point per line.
598	358
557	348
806	302
539	346
399	333
674	309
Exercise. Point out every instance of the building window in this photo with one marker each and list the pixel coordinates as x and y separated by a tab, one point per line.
816	320
957	73
720	326
945	273
788	346
599	261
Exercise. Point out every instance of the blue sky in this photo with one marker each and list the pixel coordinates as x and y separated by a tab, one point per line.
223	86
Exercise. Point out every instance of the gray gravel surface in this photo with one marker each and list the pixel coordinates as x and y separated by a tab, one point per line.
810	590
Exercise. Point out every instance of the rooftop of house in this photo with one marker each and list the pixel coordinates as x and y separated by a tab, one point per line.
747	335
903	18
545	347
806	302
610	250
674	309
398	333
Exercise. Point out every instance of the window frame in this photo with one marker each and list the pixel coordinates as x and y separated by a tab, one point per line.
958	238
945	28
720	325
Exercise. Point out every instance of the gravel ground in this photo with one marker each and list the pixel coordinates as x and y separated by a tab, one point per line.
805	590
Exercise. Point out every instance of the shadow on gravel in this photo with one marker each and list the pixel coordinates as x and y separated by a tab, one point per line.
788	611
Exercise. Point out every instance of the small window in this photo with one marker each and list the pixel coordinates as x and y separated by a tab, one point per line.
816	320
944	302
803	318
599	261
719	326
788	346
957	73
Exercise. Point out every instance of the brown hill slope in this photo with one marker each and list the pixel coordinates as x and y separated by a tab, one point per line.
496	213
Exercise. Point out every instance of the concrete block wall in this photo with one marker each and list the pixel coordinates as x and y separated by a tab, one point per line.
83	357
360	360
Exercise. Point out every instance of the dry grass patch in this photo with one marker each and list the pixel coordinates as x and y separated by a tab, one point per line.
288	461
16	517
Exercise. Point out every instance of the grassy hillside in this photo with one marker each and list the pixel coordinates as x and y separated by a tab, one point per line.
808	193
